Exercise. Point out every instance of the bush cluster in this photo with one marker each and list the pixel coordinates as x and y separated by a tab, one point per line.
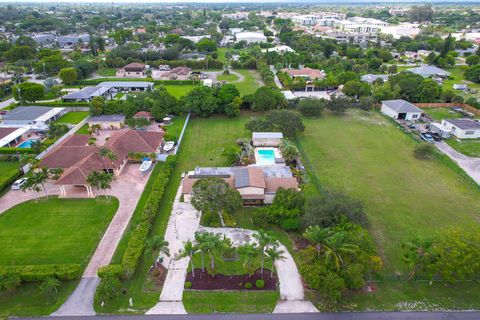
36	273
7	150
136	243
260	283
110	270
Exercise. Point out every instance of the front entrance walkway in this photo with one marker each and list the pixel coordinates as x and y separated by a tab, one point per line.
182	225
127	189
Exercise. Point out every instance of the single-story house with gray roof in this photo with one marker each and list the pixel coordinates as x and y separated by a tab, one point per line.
430	71
463	128
370	78
401	110
106	89
35	117
266	139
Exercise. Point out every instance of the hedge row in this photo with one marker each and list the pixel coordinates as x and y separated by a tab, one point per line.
138	237
110	270
35	273
8	150
266	74
6	183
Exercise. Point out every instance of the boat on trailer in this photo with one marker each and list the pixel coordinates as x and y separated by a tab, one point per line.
168	146
146	165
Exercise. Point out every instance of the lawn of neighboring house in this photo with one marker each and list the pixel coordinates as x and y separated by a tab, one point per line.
49	231
108	72
438	114
72	117
250	83
456	77
203	144
469	147
179	91
404	198
83	129
9	170
227	77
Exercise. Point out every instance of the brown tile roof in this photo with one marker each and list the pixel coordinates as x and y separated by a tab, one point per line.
79	160
255	175
6	131
143	114
134	66
273	184
188	182
312	73
180	70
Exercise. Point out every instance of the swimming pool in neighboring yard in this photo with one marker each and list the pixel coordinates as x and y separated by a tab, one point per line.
265	157
26	144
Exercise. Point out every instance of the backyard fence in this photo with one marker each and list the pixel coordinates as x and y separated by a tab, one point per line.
465	106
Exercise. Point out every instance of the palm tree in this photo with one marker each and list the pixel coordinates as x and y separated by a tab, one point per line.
275	254
200	240
105	182
106	153
417	256
189	250
94	128
93	179
264	240
248	252
156	246
212	244
31	183
318	236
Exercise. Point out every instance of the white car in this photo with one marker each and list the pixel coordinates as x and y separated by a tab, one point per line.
17	185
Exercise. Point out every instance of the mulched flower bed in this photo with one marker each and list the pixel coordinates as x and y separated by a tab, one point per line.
156	277
205	281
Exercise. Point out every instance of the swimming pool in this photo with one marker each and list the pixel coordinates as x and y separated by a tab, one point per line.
266	157
26	144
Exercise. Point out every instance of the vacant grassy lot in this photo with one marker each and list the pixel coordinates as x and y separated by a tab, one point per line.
250	83
468	147
178	91
230	301
53	230
8	170
72	117
227	77
108	72
404	198
439	114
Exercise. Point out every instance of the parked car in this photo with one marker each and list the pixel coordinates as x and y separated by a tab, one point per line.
427	137
436	136
17	185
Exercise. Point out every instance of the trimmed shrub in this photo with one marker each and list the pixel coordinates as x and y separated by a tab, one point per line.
188	285
10	281
111	270
108	289
424	151
291	224
136	243
7	150
248	285
35	273
260	283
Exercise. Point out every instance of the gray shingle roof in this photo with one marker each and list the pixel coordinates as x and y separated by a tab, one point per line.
107	118
86	93
267	135
401	106
464	124
26	113
427	71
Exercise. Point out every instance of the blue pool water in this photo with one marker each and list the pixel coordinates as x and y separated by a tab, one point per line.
26	144
266	157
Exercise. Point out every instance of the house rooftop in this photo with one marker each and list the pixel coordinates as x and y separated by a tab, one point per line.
31	113
267	135
464	124
401	106
107	118
429	70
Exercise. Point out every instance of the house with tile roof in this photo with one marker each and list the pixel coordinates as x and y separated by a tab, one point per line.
256	184
78	158
132	70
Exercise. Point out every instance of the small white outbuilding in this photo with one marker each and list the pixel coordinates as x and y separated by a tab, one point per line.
401	110
266	139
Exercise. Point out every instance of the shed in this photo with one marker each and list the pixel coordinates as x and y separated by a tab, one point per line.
266	139
401	110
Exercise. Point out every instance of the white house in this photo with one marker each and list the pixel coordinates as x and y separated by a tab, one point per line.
36	118
401	110
266	139
463	128
251	37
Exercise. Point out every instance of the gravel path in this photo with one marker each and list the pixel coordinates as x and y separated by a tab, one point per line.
469	164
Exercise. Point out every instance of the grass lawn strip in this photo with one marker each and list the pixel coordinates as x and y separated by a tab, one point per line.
72	117
469	147
9	170
202	302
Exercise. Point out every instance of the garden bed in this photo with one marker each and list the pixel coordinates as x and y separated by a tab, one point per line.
206	281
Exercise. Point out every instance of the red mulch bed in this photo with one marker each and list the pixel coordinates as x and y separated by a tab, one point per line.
301	243
158	274
205	281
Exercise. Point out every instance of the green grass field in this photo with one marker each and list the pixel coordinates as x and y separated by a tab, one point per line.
366	156
72	117
438	114
227	77
53	230
108	72
250	83
229	301
457	77
468	147
83	129
8	170
178	91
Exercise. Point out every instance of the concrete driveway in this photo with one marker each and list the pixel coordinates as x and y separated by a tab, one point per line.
470	165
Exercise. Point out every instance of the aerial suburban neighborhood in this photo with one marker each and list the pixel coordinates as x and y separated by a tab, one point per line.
316	160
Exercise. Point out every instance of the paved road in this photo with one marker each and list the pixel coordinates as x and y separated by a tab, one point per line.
275	78
305	316
469	164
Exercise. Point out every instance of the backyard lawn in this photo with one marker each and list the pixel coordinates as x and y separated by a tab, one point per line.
83	129
469	147
404	198
108	72
53	230
439	114
457	77
179	91
230	301
8	171
250	83
72	117
227	77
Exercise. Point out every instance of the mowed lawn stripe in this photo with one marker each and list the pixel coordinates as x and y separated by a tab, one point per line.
54	230
404	197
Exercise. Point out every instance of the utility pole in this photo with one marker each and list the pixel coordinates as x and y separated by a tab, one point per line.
20	96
